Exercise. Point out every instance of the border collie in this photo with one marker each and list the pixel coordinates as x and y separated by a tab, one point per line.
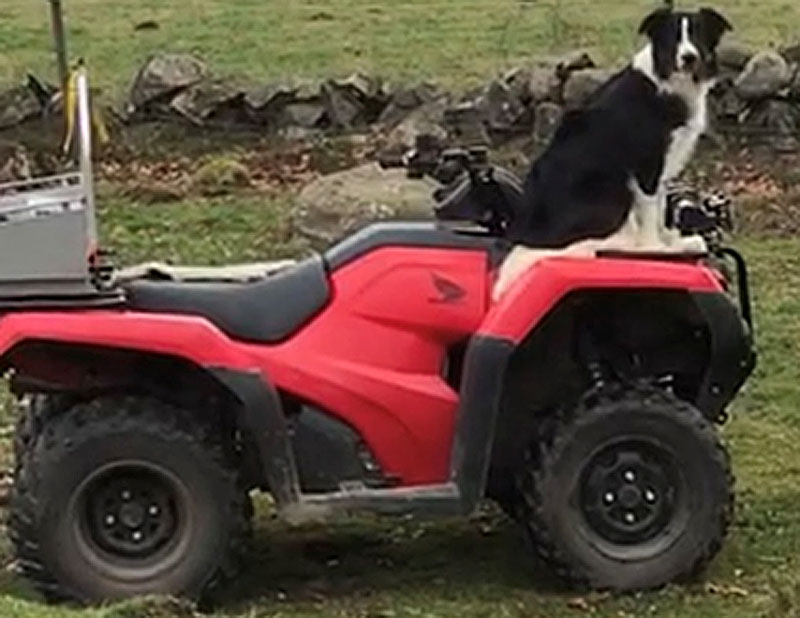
602	182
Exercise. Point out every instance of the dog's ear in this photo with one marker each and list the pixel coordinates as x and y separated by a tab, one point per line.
654	21
714	24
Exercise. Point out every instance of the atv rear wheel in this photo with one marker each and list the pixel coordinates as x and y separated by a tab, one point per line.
629	492
122	497
33	411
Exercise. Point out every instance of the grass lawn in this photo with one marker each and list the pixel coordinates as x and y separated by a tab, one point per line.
455	41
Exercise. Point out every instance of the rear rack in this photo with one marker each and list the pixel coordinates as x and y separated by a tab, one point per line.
48	233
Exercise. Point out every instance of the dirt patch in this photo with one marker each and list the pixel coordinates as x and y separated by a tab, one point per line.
265	167
764	186
153	607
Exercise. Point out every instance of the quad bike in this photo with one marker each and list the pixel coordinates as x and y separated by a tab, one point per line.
377	377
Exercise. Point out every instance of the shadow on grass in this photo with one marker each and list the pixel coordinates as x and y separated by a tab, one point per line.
351	560
374	567
363	557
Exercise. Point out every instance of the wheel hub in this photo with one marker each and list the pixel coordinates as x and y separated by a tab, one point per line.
629	492
130	513
630	496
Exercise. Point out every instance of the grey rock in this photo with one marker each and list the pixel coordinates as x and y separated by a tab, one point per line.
489	116
779	121
163	76
283	105
582	85
405	100
733	55
336	205
764	75
578	60
344	110
503	113
427	120
307	90
791	53
362	86
354	101
306	110
219	98
794	87
261	97
15	163
465	122
265	104
726	106
304	113
548	117
301	134
534	84
18	105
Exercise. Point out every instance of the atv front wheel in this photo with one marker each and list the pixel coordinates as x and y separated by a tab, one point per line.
122	497
628	492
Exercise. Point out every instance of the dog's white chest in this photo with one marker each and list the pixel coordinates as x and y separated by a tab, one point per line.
684	140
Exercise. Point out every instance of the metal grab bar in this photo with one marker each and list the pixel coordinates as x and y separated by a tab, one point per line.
84	126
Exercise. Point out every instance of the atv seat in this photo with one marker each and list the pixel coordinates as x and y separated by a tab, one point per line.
265	311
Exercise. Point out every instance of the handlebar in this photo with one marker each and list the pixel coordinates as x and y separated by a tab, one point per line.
429	158
474	190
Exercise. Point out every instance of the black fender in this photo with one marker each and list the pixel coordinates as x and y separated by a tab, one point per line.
732	357
482	386
263	419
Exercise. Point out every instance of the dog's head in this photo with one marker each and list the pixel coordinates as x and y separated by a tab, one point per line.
685	42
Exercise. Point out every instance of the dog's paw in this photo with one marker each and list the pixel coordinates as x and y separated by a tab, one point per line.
691	244
670	237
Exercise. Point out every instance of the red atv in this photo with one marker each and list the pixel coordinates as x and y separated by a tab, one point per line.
378	377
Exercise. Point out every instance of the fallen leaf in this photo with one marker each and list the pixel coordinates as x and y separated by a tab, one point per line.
725	590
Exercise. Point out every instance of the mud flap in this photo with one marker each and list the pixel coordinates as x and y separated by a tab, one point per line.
732	357
262	415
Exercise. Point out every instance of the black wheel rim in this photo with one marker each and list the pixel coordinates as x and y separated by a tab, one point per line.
632	493
131	514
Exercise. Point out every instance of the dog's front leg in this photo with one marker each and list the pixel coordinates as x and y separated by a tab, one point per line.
648	210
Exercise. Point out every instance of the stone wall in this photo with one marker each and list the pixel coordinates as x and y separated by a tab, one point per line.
757	97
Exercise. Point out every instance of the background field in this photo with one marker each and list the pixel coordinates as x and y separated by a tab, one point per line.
400	568
455	41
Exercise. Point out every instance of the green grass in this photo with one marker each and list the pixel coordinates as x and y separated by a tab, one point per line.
456	41
212	231
478	568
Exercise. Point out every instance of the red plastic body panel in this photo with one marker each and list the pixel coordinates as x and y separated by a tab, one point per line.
194	339
374	356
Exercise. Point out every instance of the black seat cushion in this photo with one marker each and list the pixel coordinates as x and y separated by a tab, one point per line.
266	311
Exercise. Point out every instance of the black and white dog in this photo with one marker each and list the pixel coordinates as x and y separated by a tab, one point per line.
601	183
